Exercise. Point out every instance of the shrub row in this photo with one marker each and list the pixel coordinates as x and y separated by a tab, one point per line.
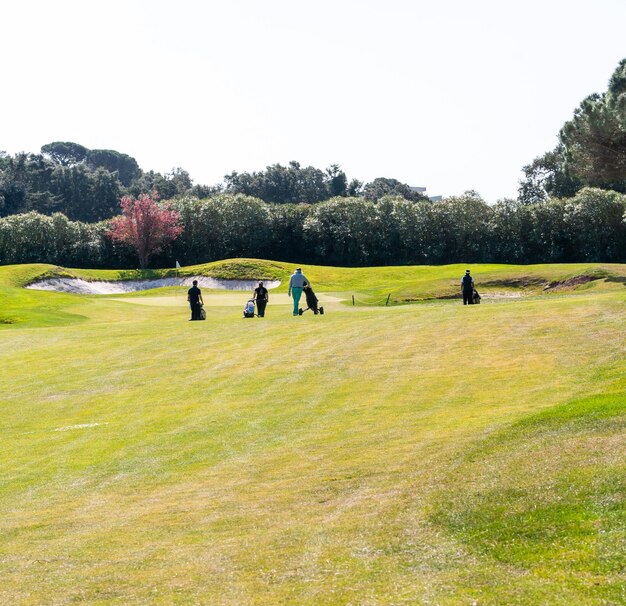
346	231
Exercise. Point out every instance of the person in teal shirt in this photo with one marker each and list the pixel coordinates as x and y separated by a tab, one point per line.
296	283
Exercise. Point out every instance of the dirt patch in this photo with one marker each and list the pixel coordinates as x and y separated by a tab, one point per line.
570	282
523	282
502	295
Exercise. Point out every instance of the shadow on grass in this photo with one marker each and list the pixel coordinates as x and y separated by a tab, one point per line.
531	496
617	280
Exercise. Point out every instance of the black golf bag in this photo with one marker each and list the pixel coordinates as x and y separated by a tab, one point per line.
311	302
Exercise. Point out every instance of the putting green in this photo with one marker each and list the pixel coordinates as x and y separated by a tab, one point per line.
417	454
219	299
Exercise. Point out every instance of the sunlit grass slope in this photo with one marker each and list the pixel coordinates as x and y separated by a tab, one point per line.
368	286
19	306
417	454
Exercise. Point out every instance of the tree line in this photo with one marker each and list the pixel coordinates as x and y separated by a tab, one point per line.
83	184
56	207
87	184
589	226
591	148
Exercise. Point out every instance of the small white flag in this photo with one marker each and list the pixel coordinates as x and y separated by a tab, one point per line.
177	265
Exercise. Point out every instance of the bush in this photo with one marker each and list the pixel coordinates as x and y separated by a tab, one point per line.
346	231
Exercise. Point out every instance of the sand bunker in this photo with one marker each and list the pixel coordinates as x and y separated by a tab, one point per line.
83	287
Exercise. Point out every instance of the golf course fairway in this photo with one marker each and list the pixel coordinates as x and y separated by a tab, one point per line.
420	452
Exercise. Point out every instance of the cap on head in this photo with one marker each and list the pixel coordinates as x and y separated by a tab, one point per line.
467	271
298	269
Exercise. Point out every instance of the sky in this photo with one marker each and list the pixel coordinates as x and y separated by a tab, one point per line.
450	95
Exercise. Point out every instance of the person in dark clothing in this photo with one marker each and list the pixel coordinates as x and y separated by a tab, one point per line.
194	296
467	288
262	297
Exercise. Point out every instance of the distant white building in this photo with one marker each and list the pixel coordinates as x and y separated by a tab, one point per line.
422	190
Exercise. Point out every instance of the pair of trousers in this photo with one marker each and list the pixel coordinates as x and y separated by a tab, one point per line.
468	297
296	293
261	308
195	311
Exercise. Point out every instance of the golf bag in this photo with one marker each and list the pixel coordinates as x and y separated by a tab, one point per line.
202	312
476	297
248	310
311	302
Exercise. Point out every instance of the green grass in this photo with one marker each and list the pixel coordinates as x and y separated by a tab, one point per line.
417	454
547	495
369	286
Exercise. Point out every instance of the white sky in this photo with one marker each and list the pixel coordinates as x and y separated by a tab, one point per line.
449	94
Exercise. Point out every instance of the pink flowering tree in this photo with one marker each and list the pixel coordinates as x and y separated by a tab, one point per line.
145	226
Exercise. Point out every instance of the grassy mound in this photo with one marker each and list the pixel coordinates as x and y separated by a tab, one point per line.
415	454
547	497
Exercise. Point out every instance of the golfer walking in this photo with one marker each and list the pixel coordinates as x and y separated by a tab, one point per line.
296	284
467	288
194	296
262	297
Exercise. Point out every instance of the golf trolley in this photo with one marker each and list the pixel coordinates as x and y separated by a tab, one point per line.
248	310
311	301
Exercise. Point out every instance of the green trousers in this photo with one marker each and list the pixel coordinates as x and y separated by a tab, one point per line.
296	293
